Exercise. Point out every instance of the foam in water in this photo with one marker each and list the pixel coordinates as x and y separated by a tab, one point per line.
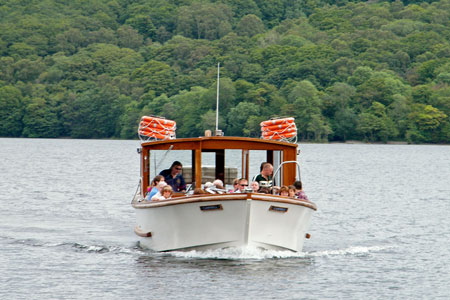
259	254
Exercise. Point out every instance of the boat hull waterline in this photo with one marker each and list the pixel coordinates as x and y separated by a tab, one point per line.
220	221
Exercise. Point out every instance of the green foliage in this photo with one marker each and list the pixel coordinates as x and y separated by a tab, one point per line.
375	71
11	111
250	25
41	120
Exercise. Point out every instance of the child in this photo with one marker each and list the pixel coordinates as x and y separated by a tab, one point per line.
158	195
255	186
166	193
299	193
284	191
291	189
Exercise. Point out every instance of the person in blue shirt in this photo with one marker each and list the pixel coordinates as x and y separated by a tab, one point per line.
174	178
153	189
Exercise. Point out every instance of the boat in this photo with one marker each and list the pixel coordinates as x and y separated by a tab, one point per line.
221	220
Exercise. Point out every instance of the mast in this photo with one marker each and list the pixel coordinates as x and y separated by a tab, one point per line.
217	101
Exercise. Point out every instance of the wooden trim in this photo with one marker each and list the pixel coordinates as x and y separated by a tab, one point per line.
198	168
245	163
281	199
219	143
142	233
145	169
223	197
190	199
289	170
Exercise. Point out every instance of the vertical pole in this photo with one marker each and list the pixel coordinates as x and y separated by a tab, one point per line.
198	167
217	101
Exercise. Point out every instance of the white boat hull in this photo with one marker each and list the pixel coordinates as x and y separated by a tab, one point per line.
221	221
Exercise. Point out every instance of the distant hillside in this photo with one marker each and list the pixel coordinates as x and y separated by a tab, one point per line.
370	71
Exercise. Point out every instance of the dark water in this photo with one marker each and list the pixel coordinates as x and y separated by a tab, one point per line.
382	230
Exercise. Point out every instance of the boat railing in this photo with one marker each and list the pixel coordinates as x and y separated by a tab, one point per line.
280	166
137	197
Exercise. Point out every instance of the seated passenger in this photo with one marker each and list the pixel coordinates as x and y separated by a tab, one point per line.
264	190
264	179
299	193
291	189
284	191
235	186
153	189
174	178
166	193
218	184
159	187
255	186
242	185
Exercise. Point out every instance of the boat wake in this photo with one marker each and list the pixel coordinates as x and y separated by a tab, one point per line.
75	246
253	253
232	253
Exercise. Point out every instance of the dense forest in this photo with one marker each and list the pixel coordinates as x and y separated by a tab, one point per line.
374	71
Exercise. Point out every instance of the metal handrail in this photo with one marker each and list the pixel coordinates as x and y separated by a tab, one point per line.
279	167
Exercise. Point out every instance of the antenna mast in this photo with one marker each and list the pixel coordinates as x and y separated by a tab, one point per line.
218	132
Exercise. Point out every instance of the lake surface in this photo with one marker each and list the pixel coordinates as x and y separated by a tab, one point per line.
382	229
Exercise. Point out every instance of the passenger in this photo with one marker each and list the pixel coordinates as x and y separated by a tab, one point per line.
291	191
174	178
153	189
166	193
235	186
255	186
275	190
243	184
265	177
207	187
299	193
284	191
159	187
218	184
264	190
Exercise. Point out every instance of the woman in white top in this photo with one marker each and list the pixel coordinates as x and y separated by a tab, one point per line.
158	195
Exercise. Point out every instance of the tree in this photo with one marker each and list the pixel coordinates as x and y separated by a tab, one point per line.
94	113
304	104
204	20
381	87
337	98
375	125
11	111
40	120
129	120
129	37
155	76
426	123
143	24
250	25
343	124
238	116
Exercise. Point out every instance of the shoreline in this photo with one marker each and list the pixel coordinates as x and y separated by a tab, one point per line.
349	142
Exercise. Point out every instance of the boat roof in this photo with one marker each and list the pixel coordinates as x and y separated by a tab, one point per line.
219	142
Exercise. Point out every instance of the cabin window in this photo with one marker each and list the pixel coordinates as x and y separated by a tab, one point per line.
163	159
